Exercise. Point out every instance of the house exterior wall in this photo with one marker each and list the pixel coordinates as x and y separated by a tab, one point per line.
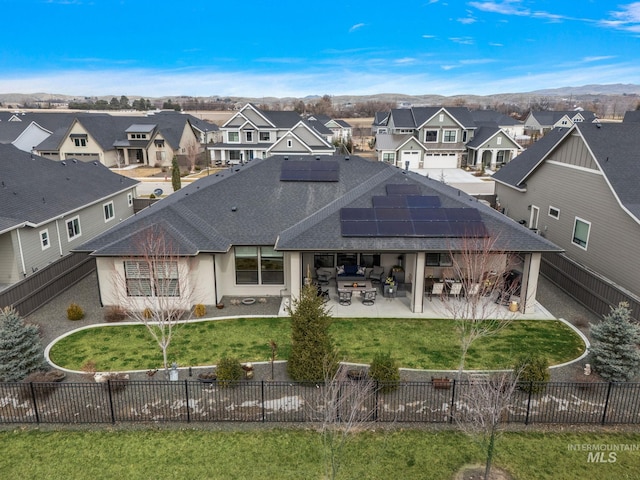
89	153
578	192
33	135
8	259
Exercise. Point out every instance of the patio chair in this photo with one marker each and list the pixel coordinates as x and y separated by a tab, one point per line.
344	298
436	289
369	297
323	277
456	289
323	293
376	274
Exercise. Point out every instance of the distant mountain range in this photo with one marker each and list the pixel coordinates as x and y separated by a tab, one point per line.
579	93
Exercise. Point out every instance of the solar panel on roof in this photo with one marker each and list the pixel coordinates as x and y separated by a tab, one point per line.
432	229
357	214
402	189
350	228
392	214
423	201
396	201
395	229
428	214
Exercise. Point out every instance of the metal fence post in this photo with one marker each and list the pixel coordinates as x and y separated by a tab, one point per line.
453	397
526	419
606	403
264	414
113	414
186	391
377	398
35	405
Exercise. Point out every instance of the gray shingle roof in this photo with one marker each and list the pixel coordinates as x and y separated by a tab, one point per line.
34	189
249	205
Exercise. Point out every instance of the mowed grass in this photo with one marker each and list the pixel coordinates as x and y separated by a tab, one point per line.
295	454
415	343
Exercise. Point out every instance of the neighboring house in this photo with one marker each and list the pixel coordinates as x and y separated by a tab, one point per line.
340	129
578	187
632	116
256	230
512	127
442	137
379	124
254	133
113	140
540	122
47	208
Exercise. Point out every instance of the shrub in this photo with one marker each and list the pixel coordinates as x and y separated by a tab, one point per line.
75	312
384	369
532	368
229	372
200	310
20	347
115	314
147	313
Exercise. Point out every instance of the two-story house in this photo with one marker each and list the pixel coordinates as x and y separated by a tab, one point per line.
255	133
48	207
440	137
541	121
578	187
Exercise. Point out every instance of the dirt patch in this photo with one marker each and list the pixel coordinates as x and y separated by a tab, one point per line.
140	172
476	472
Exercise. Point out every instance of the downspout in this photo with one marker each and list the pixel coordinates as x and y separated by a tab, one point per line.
215	281
59	240
24	268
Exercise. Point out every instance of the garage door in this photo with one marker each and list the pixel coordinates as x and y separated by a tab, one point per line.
441	160
411	156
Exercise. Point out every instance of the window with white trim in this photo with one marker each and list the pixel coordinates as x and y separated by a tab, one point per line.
388	157
249	135
289	143
146	278
44	239
581	230
130	199
431	135
499	140
73	228
108	211
449	136
259	266
554	212
80	142
233	137
265	136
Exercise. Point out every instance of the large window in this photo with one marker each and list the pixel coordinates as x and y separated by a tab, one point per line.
234	154
324	260
73	228
271	266
439	260
369	260
234	137
264	136
259	266
581	232
449	136
138	276
388	157
431	136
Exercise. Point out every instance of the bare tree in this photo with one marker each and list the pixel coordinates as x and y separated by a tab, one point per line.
193	150
482	408
341	407
153	288
478	311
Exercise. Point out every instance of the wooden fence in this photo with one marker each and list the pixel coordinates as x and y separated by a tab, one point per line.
48	282
595	292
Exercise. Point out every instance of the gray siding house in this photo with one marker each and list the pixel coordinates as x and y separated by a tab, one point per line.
578	187
48	207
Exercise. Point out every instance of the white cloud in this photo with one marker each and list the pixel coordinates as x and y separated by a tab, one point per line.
462	40
597	59
508	7
467	20
356	27
428	36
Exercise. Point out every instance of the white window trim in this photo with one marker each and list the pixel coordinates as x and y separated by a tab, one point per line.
455	139
431	130
499	140
111	210
130	199
551	207
46	232
289	143
573	230
71	220
229	137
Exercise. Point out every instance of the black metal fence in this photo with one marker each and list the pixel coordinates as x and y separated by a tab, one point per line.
273	402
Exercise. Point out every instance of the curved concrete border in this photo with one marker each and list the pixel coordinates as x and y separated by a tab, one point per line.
195	320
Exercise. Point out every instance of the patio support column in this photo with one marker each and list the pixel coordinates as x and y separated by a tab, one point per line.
529	285
417	302
295	274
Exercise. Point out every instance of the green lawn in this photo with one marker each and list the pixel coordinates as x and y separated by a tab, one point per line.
295	454
415	343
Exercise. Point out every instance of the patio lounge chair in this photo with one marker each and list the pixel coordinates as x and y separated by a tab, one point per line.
376	274
456	289
436	289
369	297
323	277
344	298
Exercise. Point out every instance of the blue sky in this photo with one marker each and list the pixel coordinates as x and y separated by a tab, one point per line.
298	48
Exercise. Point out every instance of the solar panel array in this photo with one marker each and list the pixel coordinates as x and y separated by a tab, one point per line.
309	171
405	213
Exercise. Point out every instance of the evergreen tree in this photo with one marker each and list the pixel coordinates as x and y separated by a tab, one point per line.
615	345
20	347
176	183
312	355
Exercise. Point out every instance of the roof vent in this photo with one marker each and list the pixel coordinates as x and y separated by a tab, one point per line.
74	160
234	209
317	158
95	163
63	163
346	159
286	158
